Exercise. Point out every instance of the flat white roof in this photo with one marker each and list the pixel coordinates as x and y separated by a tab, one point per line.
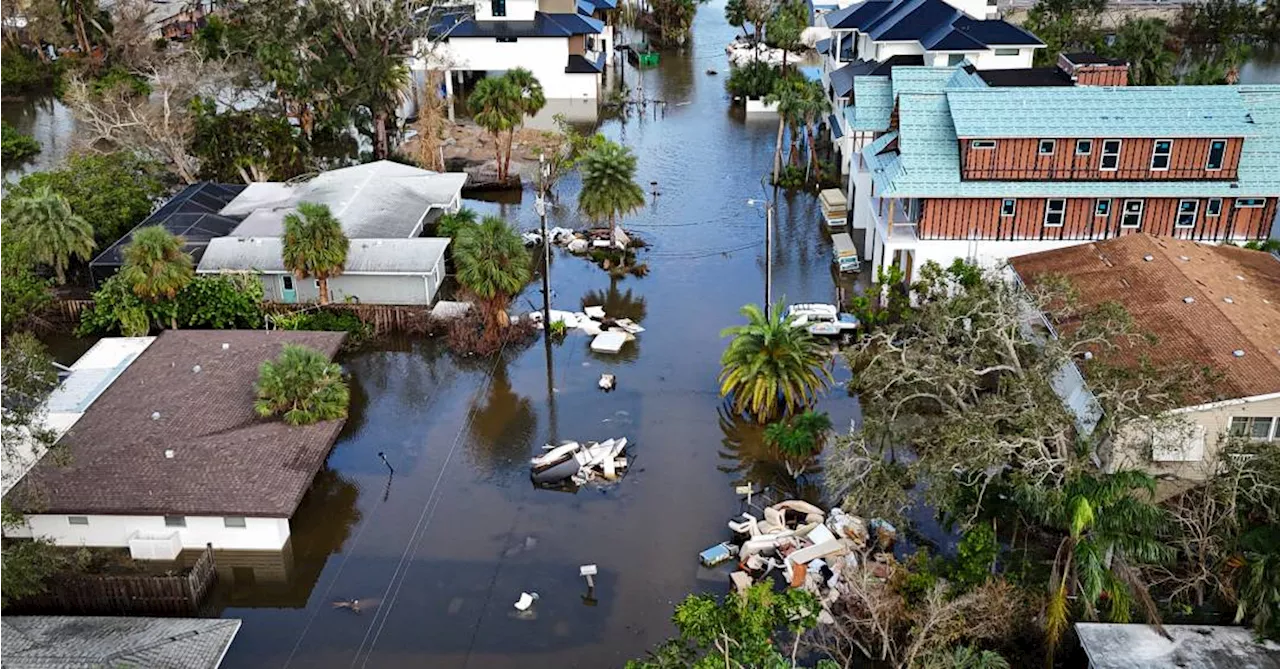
1135	646
419	255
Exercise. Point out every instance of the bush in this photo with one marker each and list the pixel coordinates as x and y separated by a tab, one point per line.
327	320
119	77
24	72
114	192
117	310
222	301
15	145
470	335
753	80
23	293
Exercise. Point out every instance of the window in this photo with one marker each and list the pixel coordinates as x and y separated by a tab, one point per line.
175	521
505	40
1053	213
1261	429
1160	155
233	521
499	7
1084	147
982	144
1047	146
992	3
1248	202
1008	207
1005	52
1110	155
287	281
1102	207
77	520
1187	212
1131	217
1214	208
1217	149
955	59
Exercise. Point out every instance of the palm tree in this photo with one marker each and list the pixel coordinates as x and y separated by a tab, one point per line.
493	264
813	105
449	225
735	12
609	189
495	104
799	438
301	385
1142	43
314	245
531	101
48	228
771	367
156	267
1109	521
789	95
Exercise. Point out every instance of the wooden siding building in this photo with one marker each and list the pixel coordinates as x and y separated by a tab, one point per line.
1100	159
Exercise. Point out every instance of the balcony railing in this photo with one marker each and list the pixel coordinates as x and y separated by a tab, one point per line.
897	220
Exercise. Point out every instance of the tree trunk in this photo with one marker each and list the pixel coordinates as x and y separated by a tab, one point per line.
380	148
793	154
324	289
511	138
813	154
82	37
613	223
497	145
777	152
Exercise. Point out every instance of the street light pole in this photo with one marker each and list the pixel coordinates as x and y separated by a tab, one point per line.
541	205
768	257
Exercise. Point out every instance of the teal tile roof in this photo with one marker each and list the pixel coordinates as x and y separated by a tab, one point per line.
1097	111
872	104
920	78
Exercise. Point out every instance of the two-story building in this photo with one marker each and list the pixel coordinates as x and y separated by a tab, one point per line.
958	168
564	43
870	38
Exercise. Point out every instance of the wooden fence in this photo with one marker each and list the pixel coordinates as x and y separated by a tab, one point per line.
68	311
133	594
383	318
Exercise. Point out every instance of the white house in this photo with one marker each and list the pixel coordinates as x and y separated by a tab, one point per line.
871	37
382	207
169	454
564	43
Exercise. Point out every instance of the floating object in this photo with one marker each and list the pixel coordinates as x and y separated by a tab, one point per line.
609	342
446	310
526	600
607	382
741	581
594	312
711	71
581	463
588	571
349	604
715	555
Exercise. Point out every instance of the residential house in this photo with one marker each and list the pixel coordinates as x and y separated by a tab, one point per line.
383	208
171	454
64	642
869	38
1137	646
1211	305
192	214
564	43
960	168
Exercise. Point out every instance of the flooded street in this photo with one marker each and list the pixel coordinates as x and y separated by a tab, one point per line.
439	552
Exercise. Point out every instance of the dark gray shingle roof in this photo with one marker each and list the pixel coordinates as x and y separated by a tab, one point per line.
81	642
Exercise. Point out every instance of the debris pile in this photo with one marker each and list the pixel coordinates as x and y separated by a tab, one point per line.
610	333
573	463
800	543
742	52
582	242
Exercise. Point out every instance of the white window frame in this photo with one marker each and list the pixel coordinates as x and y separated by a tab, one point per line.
1106	203
175	521
1013	211
1104	154
951	59
230	522
1195	214
1155	153
1007	51
1272	434
1211	211
1124	213
1061	212
1051	143
1222	159
1250	202
1085	142
982	144
79	521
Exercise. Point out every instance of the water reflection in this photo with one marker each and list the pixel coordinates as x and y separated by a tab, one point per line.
617	303
502	426
47	120
745	454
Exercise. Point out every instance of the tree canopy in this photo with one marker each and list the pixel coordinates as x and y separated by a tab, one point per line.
315	245
302	386
770	367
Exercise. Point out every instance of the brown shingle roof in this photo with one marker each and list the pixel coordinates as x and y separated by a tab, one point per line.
1207	330
227	461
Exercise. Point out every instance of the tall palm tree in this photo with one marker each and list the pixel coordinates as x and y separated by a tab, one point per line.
493	264
1110	522
1142	42
314	245
495	105
813	106
789	94
609	189
735	12
48	228
302	386
531	101
156	267
771	368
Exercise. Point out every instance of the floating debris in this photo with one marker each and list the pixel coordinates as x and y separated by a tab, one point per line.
573	463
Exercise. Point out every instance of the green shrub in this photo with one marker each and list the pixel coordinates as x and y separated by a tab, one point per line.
753	80
328	320
15	145
23	293
23	72
222	301
119	77
975	556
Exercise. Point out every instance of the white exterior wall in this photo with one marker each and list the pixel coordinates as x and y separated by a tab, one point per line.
545	57
114	531
887	50
988	60
401	289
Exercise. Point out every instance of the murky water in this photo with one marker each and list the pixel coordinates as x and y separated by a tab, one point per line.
441	550
46	119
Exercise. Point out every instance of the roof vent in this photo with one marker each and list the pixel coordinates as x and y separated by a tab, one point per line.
225	346
196	369
1228	300
168	453
1088	355
1188	299
1148	257
155	415
1184	258
1239	353
1240	277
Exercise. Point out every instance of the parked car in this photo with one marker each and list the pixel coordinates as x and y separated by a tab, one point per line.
822	319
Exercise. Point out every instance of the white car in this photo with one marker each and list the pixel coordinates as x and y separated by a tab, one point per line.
821	319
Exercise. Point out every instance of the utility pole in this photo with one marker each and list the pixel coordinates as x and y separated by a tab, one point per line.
541	205
768	257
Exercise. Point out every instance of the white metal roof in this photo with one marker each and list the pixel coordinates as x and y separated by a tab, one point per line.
419	255
375	200
1135	646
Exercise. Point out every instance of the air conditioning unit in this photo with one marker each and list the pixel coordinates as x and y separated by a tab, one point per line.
154	546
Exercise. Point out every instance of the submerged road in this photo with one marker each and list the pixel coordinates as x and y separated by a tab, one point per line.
439	552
